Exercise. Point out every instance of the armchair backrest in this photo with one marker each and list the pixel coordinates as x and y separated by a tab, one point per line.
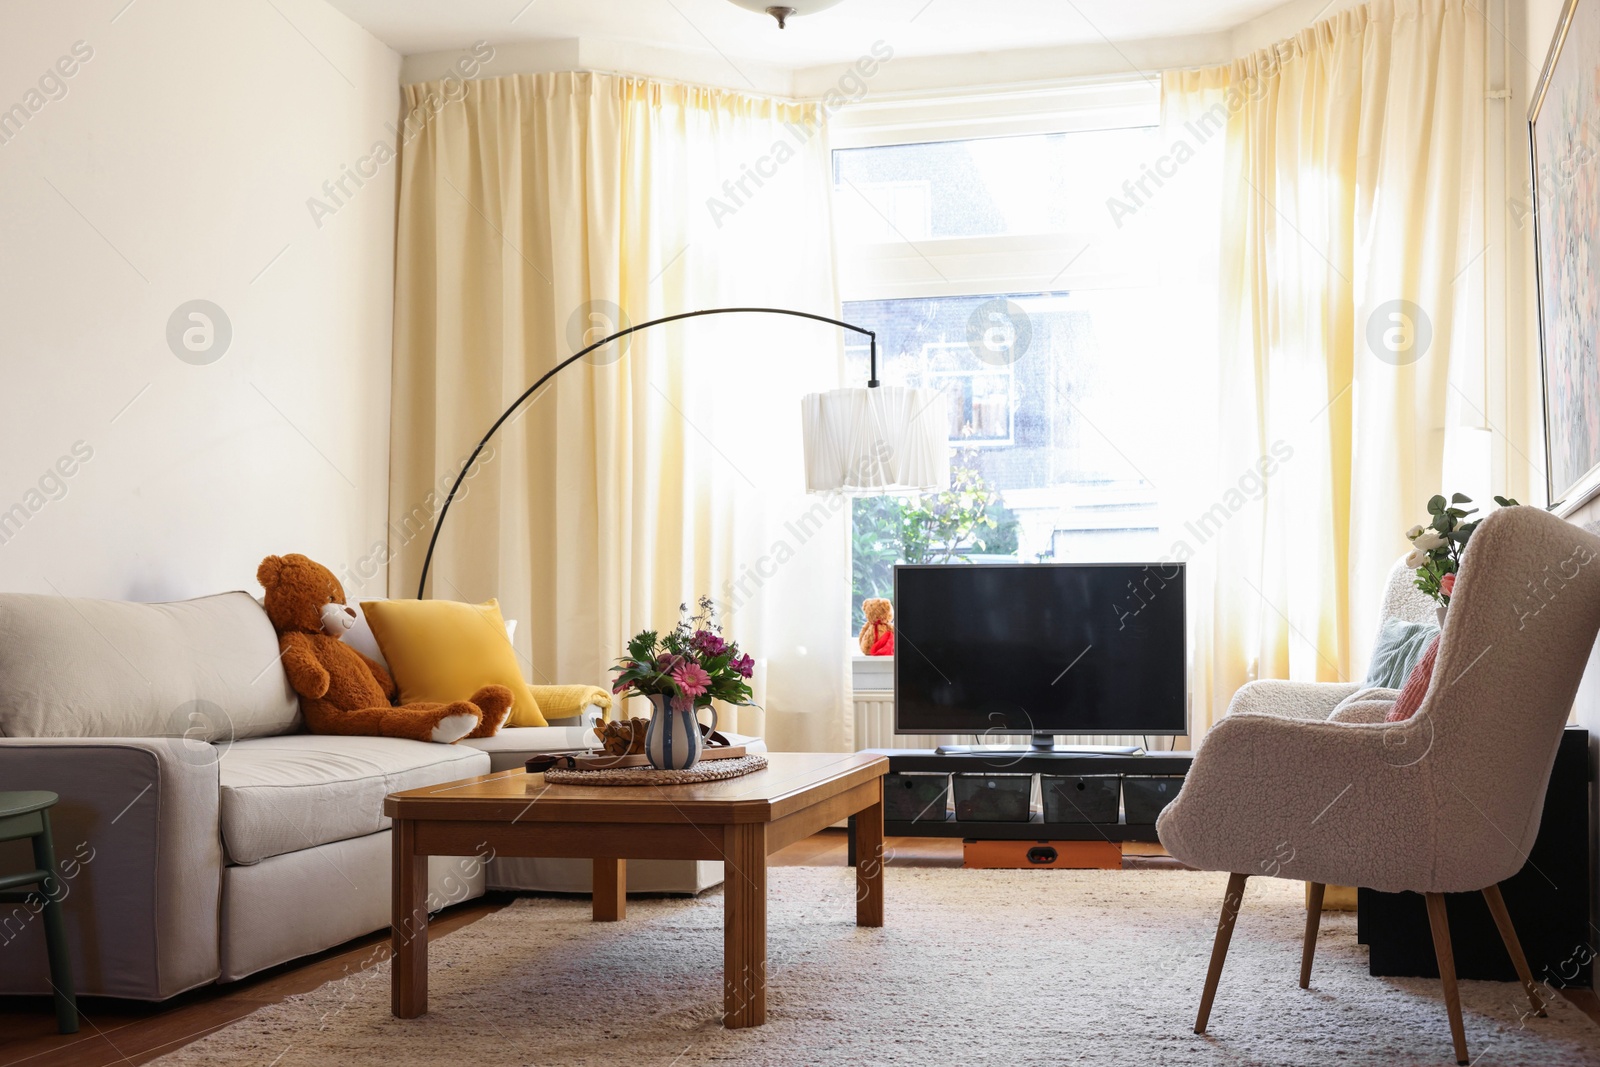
1402	599
1522	622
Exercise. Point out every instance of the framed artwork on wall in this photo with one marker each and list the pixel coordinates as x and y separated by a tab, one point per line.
1564	131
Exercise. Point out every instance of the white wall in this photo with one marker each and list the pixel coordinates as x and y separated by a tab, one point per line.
175	164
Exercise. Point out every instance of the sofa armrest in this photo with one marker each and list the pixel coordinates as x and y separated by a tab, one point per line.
139	857
1319	801
1290	700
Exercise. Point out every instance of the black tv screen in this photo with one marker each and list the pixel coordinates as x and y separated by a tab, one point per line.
1048	648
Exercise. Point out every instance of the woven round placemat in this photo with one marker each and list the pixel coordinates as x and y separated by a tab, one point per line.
705	771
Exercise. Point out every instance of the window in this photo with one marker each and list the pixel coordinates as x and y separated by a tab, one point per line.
991	268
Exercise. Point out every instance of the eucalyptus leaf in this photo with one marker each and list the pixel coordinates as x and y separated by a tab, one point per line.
1436	504
1460	498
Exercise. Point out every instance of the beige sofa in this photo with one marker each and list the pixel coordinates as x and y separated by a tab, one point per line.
209	837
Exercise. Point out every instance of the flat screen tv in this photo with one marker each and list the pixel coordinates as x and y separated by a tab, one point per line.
1040	649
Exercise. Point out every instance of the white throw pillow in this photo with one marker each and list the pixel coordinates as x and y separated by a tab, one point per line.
360	638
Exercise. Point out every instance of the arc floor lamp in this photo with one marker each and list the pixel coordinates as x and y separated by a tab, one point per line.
863	442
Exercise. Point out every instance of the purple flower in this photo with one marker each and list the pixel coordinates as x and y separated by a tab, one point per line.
743	666
707	642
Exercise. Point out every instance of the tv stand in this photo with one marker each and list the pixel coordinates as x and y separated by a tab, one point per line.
1025	759
1040	745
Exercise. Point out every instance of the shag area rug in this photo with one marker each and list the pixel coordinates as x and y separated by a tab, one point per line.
1003	967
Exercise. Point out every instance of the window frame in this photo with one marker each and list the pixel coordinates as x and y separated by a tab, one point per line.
1012	263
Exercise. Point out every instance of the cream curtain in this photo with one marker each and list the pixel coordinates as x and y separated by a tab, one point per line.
538	213
1349	167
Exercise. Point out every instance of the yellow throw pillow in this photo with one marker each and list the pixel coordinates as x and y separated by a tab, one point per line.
565	701
441	651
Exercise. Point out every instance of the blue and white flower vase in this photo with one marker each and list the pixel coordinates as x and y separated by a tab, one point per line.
673	740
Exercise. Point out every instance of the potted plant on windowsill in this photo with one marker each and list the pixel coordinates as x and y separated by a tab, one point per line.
680	673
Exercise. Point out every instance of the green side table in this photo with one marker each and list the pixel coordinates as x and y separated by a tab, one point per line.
28	815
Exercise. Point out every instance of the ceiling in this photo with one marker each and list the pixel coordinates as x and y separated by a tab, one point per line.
842	33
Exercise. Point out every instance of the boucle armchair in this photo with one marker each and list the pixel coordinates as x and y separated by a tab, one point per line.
1447	801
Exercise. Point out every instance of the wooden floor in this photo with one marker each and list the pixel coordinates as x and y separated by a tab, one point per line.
133	1032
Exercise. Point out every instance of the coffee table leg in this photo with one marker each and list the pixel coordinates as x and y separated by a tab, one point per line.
408	924
744	931
867	834
610	890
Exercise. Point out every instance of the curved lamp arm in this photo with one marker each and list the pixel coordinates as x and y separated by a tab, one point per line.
872	383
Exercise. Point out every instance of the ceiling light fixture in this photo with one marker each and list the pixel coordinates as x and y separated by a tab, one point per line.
782	12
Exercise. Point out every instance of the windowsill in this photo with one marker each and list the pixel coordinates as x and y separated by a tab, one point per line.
871	672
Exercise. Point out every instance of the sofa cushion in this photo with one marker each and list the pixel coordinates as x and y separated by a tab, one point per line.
283	794
361	638
203	669
441	651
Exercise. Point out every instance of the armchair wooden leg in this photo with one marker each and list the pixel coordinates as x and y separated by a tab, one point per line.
1508	934
1313	921
1219	948
1439	920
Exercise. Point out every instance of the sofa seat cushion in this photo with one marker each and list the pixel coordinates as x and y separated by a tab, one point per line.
283	794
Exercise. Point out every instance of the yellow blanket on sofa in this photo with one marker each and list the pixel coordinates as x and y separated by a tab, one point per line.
561	702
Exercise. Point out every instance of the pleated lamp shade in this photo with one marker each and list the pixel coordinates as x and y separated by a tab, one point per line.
890	439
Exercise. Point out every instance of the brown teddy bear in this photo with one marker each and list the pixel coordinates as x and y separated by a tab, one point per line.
877	633
341	690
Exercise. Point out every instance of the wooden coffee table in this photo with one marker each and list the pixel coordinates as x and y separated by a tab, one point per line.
739	821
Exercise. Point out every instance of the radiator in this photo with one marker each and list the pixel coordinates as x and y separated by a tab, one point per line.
874	728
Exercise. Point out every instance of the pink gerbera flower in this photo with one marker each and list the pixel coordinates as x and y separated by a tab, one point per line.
691	679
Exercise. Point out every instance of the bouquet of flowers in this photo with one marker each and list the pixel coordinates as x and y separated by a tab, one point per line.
692	661
1436	548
